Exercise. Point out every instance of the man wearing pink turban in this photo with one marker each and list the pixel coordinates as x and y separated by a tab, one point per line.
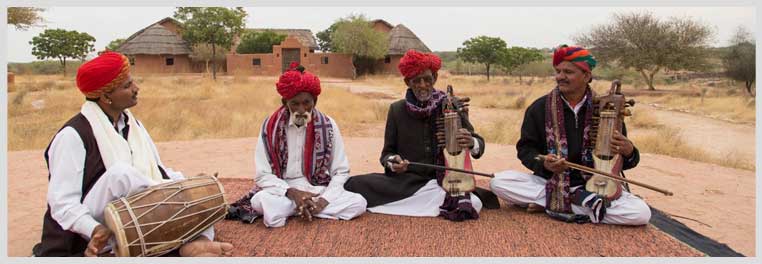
411	135
300	162
102	154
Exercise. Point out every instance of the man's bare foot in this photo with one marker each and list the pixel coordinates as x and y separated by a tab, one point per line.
203	247
535	208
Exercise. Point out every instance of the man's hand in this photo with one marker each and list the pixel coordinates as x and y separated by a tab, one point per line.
98	240
464	138
303	201
554	163
320	204
440	134
621	145
397	164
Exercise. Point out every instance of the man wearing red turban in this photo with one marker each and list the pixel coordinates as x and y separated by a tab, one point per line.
300	161
101	154
411	135
567	112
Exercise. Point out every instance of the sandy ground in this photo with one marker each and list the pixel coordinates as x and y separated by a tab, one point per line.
720	199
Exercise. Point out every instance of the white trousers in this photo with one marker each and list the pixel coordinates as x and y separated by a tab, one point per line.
118	181
522	188
424	202
275	209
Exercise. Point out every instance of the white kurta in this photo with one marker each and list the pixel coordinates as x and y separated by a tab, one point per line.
271	202
424	202
66	165
522	189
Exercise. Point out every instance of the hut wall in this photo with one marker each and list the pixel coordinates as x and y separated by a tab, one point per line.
243	64
339	65
156	64
389	68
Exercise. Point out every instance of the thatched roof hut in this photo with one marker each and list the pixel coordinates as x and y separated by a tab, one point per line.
154	40
304	36
401	39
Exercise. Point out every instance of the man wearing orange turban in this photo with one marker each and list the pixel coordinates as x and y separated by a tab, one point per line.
411	136
101	154
553	186
300	162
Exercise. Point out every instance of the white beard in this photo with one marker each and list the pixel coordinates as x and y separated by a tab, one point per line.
300	121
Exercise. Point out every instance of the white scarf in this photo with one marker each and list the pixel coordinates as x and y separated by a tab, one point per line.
135	151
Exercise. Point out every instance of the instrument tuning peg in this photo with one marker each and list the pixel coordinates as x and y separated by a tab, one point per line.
630	102
626	112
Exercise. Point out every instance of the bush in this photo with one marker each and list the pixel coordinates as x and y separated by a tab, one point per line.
47	67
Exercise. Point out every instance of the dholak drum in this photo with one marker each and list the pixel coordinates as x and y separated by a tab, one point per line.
162	217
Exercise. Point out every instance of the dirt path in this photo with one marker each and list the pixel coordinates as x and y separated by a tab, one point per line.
719	138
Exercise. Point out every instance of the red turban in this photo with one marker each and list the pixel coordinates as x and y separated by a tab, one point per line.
414	63
577	55
102	74
294	81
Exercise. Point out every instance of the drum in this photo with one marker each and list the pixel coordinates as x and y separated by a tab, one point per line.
162	217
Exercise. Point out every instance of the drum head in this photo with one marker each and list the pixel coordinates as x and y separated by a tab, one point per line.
114	223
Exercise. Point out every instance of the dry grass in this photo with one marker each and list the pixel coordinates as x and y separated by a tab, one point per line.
727	103
666	141
179	108
192	107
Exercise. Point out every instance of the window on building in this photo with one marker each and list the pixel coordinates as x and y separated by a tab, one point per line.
324	60
256	62
388	59
132	60
170	61
305	55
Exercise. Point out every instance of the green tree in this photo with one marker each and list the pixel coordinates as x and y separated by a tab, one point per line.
62	44
355	35
211	25
645	43
259	42
324	39
24	17
203	52
739	61
516	57
115	44
483	50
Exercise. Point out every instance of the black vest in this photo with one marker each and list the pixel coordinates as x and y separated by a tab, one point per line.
56	242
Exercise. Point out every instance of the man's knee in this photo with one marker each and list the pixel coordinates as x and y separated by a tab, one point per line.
643	215
357	206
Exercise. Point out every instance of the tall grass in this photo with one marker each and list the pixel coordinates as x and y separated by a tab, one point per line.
180	108
193	107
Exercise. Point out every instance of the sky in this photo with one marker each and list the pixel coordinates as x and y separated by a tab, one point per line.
440	28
